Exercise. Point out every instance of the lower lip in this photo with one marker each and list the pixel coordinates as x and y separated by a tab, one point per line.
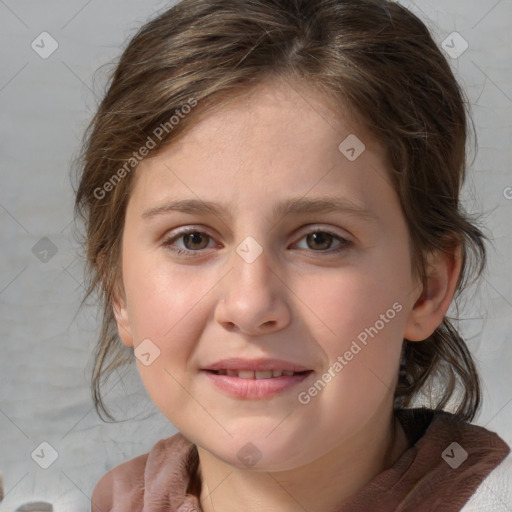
254	389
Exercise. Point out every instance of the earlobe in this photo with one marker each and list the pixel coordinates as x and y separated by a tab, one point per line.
122	318
119	307
439	286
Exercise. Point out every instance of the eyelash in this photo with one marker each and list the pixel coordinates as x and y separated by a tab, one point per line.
187	253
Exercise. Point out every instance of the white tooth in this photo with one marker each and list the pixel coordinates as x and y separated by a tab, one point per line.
277	373
266	374
232	373
246	374
287	372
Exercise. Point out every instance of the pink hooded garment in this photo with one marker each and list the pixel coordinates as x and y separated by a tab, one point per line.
429	476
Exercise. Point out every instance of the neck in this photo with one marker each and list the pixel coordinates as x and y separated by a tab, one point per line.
320	486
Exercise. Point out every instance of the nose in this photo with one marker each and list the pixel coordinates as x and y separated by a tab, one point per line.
254	297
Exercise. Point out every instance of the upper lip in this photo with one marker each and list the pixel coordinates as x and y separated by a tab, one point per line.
256	365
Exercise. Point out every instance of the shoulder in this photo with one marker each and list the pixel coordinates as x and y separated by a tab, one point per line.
125	480
495	492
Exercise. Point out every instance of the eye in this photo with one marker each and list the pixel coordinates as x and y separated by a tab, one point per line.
193	241
323	240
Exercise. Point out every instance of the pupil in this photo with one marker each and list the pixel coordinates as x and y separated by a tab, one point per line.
194	237
320	238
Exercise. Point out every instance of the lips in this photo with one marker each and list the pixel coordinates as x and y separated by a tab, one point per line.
252	388
249	374
259	368
255	379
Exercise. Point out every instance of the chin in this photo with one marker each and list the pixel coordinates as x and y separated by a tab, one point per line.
258	453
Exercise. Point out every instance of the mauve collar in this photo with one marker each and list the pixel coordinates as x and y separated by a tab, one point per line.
433	474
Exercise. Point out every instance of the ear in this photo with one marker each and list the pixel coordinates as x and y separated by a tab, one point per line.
120	310
439	286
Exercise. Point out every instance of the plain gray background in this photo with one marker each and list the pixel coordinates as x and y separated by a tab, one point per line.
46	342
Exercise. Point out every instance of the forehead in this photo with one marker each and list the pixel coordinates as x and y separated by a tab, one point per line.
309	111
277	139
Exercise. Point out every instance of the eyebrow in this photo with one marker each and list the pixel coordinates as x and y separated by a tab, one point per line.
288	207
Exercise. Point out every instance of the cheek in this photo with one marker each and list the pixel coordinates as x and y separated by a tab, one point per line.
362	348
344	303
359	313
166	308
160	295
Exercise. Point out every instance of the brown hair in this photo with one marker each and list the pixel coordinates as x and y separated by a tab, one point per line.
373	55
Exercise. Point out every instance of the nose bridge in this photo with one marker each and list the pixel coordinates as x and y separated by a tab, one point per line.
252	262
252	255
251	295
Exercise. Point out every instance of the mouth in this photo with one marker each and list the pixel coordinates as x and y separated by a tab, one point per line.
256	375
261	366
256	378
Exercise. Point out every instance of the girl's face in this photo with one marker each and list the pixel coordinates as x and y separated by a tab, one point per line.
270	272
